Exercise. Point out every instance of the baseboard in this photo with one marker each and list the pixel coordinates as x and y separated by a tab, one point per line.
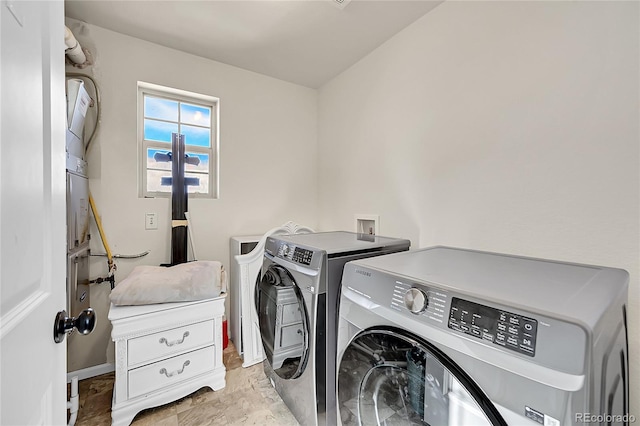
94	371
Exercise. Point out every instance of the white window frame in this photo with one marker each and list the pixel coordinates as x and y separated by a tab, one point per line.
213	151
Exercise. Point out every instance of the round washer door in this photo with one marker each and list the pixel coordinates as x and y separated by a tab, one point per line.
283	322
388	376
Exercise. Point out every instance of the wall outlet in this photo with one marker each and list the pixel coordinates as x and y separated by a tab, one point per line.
367	224
151	221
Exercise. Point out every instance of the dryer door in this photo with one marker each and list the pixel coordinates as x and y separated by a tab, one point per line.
284	324
388	376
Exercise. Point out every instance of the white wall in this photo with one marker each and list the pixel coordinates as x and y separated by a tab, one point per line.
266	127
503	126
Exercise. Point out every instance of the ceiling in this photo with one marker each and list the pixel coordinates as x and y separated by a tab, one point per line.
307	42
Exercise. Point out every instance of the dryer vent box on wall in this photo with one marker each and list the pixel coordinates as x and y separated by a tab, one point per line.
367	224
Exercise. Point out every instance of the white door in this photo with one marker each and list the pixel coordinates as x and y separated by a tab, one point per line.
32	212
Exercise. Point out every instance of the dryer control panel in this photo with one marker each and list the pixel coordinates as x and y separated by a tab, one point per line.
295	254
509	330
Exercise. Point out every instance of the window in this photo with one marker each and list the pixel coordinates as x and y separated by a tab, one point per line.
163	111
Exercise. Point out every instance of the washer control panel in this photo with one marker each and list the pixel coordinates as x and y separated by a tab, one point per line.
426	303
509	330
485	324
295	254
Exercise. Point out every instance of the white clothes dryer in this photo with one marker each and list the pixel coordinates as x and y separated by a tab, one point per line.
445	336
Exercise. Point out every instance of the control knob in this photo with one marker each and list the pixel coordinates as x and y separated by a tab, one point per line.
415	300
285	250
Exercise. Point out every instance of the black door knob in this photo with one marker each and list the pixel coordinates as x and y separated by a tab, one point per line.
84	323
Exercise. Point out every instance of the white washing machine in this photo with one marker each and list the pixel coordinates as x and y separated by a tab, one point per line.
297	303
445	336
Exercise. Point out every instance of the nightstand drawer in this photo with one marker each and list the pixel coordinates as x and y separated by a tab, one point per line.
165	373
169	342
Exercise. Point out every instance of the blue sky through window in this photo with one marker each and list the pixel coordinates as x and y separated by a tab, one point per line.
197	136
164	116
194	121
164	165
159	130
162	109
193	114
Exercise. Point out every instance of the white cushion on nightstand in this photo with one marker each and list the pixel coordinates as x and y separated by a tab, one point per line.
190	281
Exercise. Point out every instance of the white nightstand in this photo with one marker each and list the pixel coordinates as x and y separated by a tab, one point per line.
164	352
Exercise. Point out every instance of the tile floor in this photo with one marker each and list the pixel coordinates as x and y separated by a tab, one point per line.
247	399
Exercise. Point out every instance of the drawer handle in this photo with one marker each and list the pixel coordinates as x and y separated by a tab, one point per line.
175	342
164	370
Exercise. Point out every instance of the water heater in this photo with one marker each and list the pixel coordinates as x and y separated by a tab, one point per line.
78	102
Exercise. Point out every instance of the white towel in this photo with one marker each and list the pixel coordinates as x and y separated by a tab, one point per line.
186	282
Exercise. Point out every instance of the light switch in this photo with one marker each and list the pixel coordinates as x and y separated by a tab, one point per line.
151	221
